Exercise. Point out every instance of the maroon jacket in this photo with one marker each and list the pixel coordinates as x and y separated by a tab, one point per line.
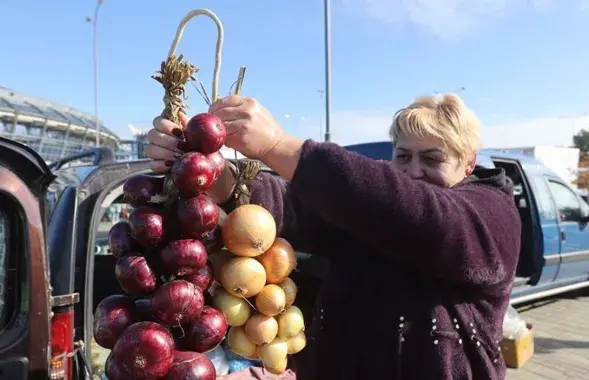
420	276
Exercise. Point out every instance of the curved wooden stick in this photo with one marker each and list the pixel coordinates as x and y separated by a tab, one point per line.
219	51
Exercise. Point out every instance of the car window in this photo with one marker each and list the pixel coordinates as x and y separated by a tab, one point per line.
543	199
567	203
114	212
3	238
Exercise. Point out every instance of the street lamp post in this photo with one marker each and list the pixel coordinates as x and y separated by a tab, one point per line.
321	93
327	11
94	22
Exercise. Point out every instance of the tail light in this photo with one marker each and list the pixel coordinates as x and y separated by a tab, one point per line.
62	345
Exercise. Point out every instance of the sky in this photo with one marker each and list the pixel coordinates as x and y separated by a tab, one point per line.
523	65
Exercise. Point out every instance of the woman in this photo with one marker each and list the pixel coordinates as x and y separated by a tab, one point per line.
422	249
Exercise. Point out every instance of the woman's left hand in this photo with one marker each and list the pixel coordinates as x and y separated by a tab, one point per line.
251	129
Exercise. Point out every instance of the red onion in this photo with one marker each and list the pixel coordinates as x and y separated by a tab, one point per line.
177	302
135	276
191	366
144	310
145	351
197	216
120	241
205	133
213	240
112	370
139	189
202	279
207	330
147	226
112	316
218	162
193	173
185	256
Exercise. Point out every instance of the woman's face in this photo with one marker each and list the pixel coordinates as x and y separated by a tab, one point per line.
427	160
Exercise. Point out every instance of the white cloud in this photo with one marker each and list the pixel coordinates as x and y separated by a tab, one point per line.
445	18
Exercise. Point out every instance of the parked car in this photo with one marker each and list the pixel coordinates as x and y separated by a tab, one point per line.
554	255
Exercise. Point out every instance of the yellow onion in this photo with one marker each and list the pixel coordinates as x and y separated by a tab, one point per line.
290	323
290	290
280	367
236	309
218	259
296	343
279	261
243	277
261	329
274	354
271	300
239	344
249	230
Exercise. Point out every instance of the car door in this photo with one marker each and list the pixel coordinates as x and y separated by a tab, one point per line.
25	299
574	232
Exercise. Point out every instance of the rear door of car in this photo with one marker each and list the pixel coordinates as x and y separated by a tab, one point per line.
25	295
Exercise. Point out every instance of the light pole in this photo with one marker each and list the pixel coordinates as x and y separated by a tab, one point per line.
321	93
94	22
327	11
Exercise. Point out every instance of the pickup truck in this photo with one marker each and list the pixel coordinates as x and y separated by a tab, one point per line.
55	268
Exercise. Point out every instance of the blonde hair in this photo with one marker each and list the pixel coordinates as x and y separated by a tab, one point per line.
444	118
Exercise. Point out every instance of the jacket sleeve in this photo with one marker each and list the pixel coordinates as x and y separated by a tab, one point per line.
469	234
301	226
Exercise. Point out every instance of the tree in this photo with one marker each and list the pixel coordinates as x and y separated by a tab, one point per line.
581	141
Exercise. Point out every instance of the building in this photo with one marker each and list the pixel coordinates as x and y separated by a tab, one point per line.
52	130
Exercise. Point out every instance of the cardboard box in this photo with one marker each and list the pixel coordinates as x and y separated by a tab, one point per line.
517	352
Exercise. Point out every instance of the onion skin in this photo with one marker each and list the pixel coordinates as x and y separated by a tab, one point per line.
145	351
135	276
185	256
218	162
197	216
279	261
239	344
236	309
147	226
144	310
205	133
177	302
297	343
112	316
290	323
290	291
139	189
271	300
120	240
191	366
279	368
206	331
274	355
249	230
243	277
193	173
202	279
261	329
113	371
